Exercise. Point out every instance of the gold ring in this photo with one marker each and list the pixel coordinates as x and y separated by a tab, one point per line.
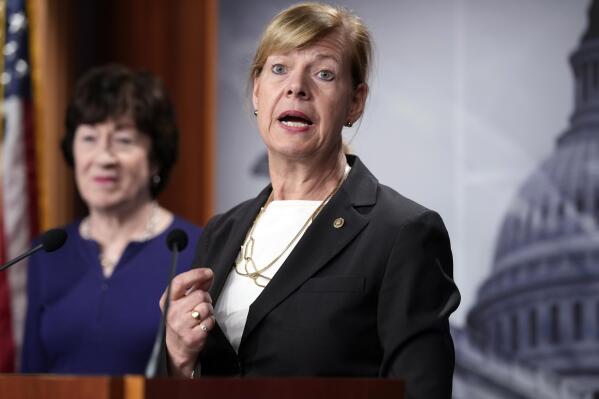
196	315
203	328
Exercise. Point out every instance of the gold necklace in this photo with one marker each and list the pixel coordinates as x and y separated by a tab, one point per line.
247	249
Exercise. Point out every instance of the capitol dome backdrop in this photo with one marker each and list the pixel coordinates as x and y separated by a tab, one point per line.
534	330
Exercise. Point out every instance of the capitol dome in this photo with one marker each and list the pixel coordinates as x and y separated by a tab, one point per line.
540	306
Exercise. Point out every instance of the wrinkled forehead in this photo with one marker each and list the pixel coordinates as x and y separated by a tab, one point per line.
332	45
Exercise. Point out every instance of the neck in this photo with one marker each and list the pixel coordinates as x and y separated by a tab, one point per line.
308	180
125	223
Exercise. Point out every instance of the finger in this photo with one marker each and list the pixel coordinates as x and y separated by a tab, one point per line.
162	300
202	311
187	303
206	284
200	278
205	325
180	312
204	287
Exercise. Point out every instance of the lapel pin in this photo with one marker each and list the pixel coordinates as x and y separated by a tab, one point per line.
338	223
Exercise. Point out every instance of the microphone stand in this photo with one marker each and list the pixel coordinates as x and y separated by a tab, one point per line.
21	257
152	367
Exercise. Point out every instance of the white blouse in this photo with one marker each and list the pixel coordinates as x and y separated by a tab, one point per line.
278	225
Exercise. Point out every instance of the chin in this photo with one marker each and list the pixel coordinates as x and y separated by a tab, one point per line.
294	151
104	203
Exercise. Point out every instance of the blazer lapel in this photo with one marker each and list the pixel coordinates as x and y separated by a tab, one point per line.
320	243
234	241
216	339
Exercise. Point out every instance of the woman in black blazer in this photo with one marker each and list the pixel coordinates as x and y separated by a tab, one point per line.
326	272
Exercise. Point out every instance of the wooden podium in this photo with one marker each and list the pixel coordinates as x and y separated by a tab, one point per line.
18	386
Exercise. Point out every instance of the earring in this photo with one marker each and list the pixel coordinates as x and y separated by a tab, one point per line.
349	124
156	179
255	112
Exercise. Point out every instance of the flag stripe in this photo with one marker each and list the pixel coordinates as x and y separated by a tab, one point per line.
19	205
6	341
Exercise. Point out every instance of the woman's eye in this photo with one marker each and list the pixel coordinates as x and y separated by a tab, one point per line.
124	140
326	75
278	69
88	138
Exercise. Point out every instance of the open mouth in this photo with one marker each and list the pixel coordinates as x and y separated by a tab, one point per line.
295	119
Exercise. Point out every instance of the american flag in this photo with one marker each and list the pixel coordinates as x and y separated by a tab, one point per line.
18	205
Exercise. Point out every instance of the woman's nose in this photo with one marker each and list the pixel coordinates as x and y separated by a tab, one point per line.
106	153
298	86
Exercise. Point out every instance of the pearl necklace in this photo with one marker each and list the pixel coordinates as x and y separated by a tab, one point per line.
107	263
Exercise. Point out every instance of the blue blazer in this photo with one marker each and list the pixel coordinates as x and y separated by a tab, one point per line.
369	299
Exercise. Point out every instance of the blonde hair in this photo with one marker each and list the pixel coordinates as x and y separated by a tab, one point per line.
302	24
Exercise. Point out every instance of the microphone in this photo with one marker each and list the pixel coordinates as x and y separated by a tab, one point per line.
176	241
51	240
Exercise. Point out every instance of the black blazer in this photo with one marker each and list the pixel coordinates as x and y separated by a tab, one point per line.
369	299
